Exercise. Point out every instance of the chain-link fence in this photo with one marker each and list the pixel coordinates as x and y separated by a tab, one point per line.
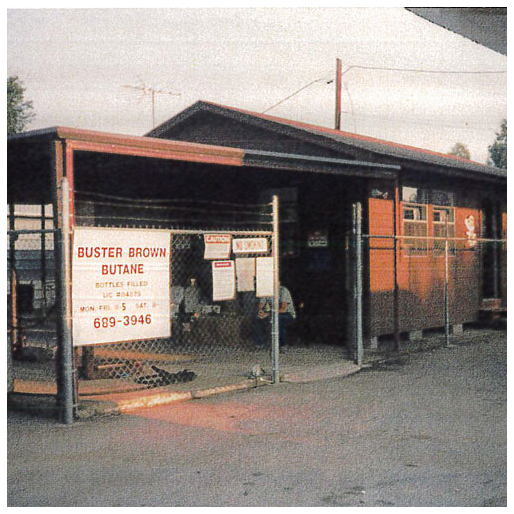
425	283
212	341
223	324
31	309
220	290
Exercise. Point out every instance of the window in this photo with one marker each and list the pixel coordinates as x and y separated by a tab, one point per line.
381	189
442	198
414	195
443	217
415	223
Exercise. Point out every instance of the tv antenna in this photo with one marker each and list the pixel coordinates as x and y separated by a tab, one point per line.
152	92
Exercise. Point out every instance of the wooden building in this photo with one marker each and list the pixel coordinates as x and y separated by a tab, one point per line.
431	195
213	152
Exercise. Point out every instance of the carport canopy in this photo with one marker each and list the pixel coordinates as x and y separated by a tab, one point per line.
133	165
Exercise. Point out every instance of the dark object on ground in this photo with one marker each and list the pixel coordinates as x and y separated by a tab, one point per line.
163	377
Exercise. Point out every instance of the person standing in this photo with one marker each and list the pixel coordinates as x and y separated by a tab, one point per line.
286	313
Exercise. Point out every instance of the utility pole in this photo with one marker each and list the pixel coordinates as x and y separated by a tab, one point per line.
153	92
338	94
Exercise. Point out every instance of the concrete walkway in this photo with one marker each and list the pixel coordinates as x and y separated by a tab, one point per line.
297	365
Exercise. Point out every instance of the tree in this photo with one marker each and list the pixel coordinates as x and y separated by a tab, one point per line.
460	150
19	111
498	150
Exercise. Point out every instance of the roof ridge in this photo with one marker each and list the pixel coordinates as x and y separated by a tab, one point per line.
352	135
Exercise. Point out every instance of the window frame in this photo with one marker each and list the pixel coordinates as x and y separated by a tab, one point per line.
415	247
421	247
448	229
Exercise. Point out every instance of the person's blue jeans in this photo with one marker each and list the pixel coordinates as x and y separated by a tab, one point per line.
262	332
285	320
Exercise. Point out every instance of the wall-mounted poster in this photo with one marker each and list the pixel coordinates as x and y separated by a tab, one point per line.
121	285
264	276
250	245
317	239
471	230
245	273
223	281
217	246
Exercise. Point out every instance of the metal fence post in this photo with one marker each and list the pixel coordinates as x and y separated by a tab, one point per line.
275	343
65	363
357	342
13	278
446	296
43	260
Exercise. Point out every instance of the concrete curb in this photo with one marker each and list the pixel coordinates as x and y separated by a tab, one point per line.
321	373
44	405
118	403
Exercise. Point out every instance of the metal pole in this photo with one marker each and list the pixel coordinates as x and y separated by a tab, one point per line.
43	261
275	343
494	228
338	94
357	284
15	346
446	296
66	353
396	290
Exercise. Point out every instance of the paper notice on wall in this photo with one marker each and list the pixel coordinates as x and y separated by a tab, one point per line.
264	276
121	285
245	273
217	246
250	245
223	281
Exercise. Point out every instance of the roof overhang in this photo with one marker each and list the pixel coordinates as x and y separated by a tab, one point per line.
31	157
105	142
315	164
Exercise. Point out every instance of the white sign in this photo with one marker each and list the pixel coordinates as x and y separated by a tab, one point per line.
120	285
250	245
318	239
245	271
217	246
264	273
223	281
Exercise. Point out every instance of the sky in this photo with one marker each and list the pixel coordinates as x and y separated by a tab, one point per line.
81	68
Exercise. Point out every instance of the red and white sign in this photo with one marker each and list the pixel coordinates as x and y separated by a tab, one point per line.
217	246
471	230
250	245
120	285
223	281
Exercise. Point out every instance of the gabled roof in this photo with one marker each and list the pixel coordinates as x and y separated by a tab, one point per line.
335	139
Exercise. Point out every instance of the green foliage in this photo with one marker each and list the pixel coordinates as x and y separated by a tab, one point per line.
498	150
19	112
460	150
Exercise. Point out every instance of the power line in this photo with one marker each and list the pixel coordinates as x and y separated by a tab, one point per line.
417	70
380	68
296	92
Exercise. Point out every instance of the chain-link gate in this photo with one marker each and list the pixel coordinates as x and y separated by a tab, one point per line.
212	342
